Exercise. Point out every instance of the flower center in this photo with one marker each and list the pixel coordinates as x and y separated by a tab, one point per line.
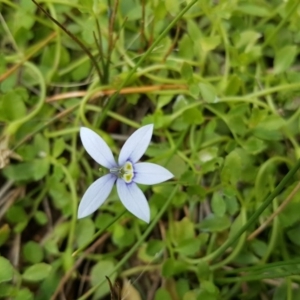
125	172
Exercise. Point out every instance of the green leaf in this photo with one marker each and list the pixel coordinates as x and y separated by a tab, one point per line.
59	194
182	287
172	6
231	202
41	145
193	30
185	46
214	223
40	217
290	215
209	160
6	270
99	271
33	252
40	168
37	272
34	170
209	43
154	247
203	270
12	105
7	290
159	10
254	145
247	39
208	291
193	116
259	247
173	267
284	58
179	199
272	122
182	230
194	90
267	135
208	93
162	293
4	233
85	229
191	295
24	294
122	236
82	71
175	164
27	6
294	234
103	220
253	9
189	247
86	6
163	100
233	85
232	168
16	214
187	72
218	204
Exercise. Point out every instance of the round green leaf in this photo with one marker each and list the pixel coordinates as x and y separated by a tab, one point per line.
33	252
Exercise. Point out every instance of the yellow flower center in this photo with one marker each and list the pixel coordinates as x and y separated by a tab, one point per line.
125	172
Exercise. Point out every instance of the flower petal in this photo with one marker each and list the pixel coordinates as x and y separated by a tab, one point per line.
133	199
97	148
148	173
95	195
136	145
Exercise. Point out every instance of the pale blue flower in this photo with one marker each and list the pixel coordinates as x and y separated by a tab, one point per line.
126	173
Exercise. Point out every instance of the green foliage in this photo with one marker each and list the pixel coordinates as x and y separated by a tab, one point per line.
208	93
33	252
37	272
173	267
85	230
12	105
6	270
221	86
214	223
284	58
162	293
101	269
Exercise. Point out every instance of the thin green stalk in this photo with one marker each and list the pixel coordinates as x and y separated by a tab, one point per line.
257	277
58	46
262	268
135	247
274	235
